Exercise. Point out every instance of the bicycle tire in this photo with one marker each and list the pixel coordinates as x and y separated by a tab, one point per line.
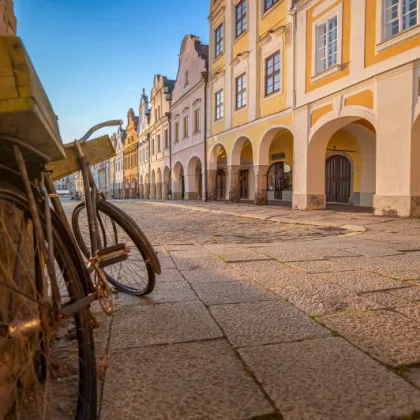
119	218
74	275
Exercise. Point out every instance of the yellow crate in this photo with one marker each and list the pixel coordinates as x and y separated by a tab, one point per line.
25	111
96	150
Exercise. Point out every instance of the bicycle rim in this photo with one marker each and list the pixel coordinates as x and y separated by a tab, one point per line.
43	374
133	276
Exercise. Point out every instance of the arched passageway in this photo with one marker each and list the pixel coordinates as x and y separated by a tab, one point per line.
127	189
241	173
178	182
274	172
141	187
133	192
153	186
218	173
166	193
146	187
341	163
158	184
194	179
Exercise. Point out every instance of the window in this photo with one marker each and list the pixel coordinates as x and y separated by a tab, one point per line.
158	141
185	127
218	40
176	132
156	117
166	139
326	44
153	146
399	15
196	120
272	74
269	3
186	83
240	91
219	105
240	18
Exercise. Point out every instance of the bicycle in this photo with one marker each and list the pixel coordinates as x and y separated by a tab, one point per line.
45	287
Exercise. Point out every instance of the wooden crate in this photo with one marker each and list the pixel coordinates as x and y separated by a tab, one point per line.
25	111
96	150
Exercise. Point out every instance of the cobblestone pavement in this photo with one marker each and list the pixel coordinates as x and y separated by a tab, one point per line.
255	316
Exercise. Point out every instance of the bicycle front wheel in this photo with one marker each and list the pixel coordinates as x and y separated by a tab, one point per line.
43	374
135	275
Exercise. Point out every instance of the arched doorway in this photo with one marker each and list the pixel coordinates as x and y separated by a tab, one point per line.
279	181
178	182
153	185
221	184
337	179
276	163
133	193
158	184
127	189
165	186
146	187
242	179
341	163
141	187
194	183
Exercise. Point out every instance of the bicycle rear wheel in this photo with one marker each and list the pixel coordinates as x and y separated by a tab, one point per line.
42	373
135	275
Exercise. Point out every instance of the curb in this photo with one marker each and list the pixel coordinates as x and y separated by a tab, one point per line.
353	229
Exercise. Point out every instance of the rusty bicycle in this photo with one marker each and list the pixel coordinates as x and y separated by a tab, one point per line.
49	277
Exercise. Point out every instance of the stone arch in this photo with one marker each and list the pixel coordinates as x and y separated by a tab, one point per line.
178	182
133	189
153	185
215	151
141	187
194	184
146	186
345	134
241	173
165	183
158	184
218	164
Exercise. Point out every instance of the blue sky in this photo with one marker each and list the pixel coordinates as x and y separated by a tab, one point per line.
95	56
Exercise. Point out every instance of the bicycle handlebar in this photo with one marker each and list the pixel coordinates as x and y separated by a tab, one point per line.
109	123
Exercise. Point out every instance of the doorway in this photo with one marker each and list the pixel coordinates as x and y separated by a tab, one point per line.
244	183
279	180
221	184
337	179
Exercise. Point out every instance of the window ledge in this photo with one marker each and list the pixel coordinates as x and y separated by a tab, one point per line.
238	110
196	132
271	95
398	38
326	73
270	9
240	36
219	56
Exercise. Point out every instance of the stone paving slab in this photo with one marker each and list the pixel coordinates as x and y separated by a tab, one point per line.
412	311
329	379
184	381
395	297
373	250
213	275
238	253
179	291
169	275
138	326
272	274
321	266
325	299
358	281
257	323
232	292
387	336
186	261
164	257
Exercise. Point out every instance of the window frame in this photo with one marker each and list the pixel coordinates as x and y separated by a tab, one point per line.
196	120
185	121
265	8
273	74
176	129
241	92
219	42
328	41
158	143
241	22
219	106
336	11
166	135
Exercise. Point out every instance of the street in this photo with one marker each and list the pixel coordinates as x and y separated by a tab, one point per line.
262	312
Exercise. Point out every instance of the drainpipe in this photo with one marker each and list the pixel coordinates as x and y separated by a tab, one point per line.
293	12
150	163
168	115
205	76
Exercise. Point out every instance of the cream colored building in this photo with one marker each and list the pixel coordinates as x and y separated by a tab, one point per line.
154	140
188	113
318	101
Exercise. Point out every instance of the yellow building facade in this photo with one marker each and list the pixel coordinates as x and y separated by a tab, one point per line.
315	102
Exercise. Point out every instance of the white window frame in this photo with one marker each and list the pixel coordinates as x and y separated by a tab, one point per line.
220	24
222	113
336	11
268	52
197	122
383	43
185	126
241	92
235	22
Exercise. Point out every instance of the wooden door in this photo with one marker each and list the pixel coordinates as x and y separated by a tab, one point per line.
337	179
244	184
